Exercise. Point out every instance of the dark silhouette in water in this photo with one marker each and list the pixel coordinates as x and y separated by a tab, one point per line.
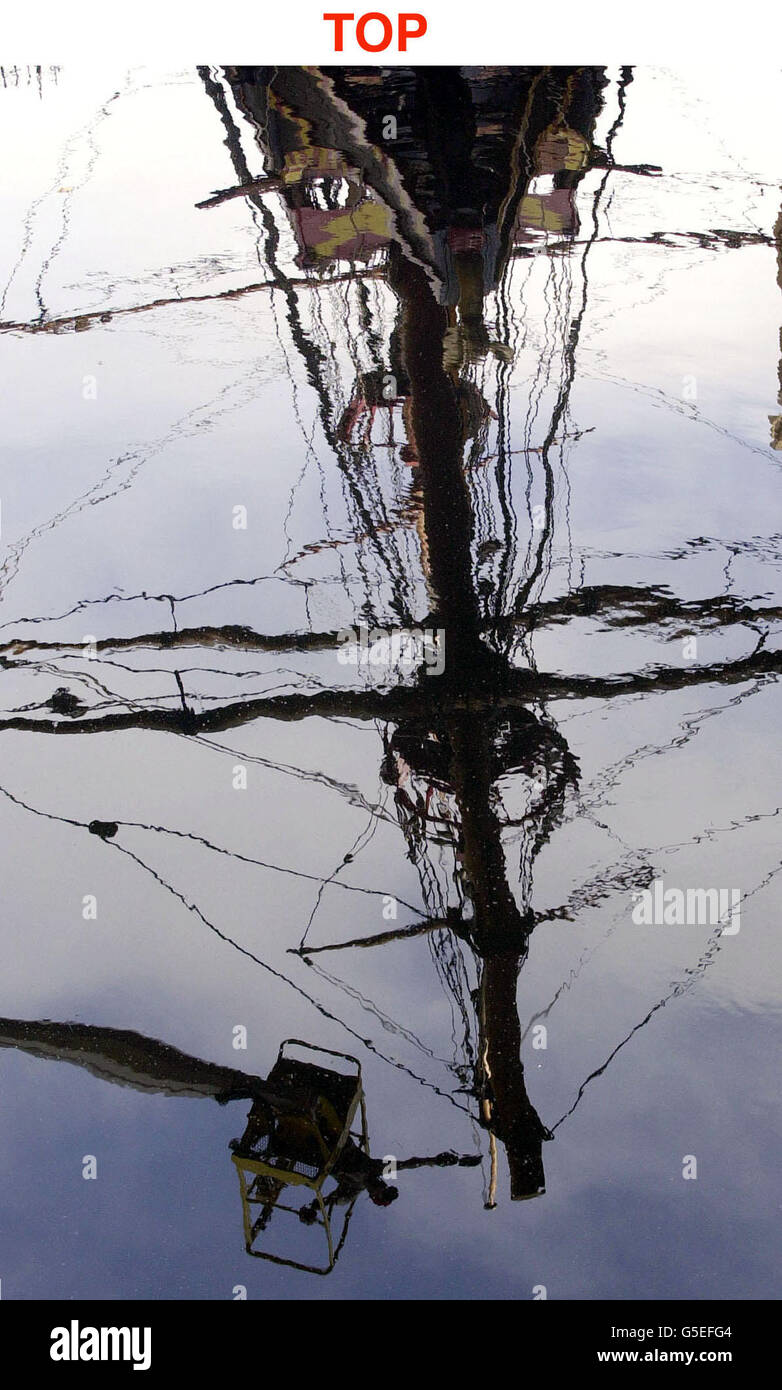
127	1058
448	203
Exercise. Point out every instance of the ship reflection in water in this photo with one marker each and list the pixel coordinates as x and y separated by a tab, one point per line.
394	668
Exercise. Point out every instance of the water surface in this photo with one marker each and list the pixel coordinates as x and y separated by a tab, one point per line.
486	353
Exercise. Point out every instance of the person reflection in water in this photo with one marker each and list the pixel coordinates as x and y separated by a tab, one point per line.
273	1121
358	1172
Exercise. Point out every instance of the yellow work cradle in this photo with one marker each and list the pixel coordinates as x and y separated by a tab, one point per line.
294	1139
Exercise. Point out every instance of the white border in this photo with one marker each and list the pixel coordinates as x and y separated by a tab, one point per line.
178	32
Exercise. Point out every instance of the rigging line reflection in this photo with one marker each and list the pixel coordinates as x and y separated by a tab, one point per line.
412	400
217	849
105	832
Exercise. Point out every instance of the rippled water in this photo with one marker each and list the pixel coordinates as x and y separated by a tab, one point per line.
488	355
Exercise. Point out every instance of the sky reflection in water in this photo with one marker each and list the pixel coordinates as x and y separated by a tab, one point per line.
510	374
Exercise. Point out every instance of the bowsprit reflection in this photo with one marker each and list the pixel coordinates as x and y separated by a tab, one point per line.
464	536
